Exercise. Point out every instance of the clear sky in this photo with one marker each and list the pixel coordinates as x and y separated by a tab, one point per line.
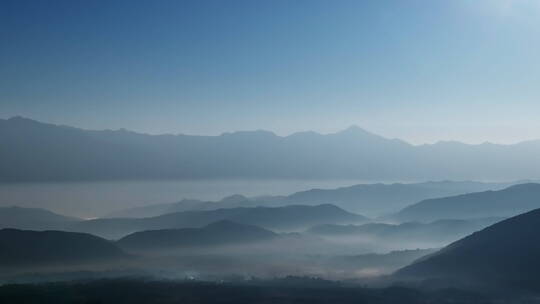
419	70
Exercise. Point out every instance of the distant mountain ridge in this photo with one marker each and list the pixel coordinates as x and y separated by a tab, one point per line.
440	232
35	151
384	198
507	202
366	199
234	201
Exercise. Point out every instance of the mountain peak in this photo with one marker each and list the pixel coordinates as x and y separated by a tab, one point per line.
356	131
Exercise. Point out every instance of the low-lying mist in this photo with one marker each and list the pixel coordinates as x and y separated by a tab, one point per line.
224	262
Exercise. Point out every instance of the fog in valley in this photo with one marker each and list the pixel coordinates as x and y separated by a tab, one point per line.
269	152
250	233
248	237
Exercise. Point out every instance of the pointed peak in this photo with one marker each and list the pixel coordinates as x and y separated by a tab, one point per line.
355	130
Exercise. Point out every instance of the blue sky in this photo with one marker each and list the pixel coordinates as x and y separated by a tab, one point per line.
422	71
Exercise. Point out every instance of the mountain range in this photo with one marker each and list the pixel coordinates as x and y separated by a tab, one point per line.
288	218
367	199
445	218
507	202
35	151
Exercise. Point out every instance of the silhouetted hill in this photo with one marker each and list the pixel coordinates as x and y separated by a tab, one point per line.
367	199
279	291
219	233
505	252
287	218
29	248
503	203
35	151
32	219
440	232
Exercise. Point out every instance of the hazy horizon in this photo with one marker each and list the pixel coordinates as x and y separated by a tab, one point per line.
416	70
270	151
350	127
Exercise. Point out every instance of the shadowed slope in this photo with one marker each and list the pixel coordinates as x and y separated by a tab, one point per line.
33	219
505	252
24	247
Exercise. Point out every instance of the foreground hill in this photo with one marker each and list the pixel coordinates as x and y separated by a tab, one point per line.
506	252
35	151
503	203
279	291
216	234
33	219
289	218
30	248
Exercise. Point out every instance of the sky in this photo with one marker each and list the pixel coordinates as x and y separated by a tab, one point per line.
422	71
